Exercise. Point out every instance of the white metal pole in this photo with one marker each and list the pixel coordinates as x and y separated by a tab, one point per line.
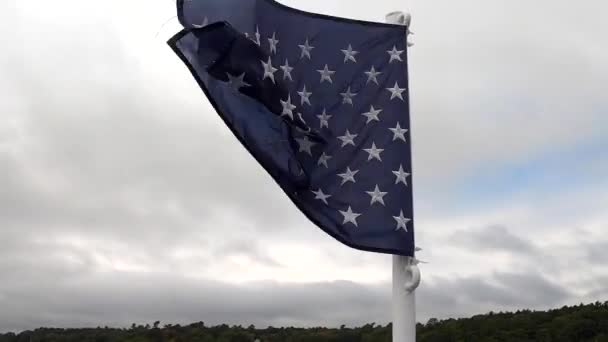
406	278
406	275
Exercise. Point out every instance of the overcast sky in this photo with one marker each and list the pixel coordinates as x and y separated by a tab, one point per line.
124	198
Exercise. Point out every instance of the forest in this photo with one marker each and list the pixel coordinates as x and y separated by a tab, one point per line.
570	323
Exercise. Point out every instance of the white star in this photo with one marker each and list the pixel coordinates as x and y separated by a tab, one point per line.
319	195
399	133
349	54
326	74
377	195
324	118
349	216
348	96
306	50
395	54
257	36
348	139
372	75
401	221
372	115
237	82
401	175
269	70
286	70
288	107
324	159
374	152
348	176
396	91
273	41
305	96
305	145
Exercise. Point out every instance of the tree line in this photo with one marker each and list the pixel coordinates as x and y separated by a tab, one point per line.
580	323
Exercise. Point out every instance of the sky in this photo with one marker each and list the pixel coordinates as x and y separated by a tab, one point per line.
124	198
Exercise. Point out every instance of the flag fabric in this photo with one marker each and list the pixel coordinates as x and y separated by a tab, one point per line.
322	104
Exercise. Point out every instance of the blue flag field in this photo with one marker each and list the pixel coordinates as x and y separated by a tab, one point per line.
321	103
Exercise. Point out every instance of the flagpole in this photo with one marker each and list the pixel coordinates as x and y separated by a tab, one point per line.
406	275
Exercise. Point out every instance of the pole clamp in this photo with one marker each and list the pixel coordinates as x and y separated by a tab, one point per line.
413	274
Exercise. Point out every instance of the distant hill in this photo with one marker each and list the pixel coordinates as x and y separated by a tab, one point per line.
581	323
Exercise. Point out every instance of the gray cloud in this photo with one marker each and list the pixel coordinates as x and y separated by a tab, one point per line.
248	248
127	298
492	239
458	297
533	289
599	290
122	299
597	252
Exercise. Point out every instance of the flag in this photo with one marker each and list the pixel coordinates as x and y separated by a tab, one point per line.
322	104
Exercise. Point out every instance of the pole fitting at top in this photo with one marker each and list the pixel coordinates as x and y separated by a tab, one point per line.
401	18
413	273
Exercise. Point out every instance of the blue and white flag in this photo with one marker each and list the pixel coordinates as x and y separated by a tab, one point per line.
321	103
